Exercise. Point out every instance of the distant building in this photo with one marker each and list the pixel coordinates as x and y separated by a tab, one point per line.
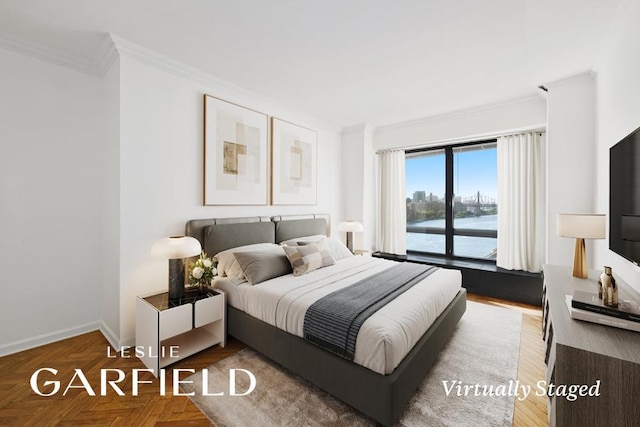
419	196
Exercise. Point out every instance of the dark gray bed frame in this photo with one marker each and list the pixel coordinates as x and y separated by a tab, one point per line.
381	397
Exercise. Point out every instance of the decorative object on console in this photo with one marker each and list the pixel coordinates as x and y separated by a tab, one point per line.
585	352
293	164
350	227
609	288
628	308
580	227
235	154
176	249
202	271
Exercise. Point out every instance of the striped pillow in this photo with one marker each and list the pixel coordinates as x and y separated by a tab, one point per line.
309	257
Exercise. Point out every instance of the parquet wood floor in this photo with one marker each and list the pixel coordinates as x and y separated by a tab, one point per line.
20	406
532	411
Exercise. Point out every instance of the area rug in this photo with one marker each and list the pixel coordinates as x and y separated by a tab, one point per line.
483	351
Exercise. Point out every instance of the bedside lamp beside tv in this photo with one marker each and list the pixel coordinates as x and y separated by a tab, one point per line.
580	227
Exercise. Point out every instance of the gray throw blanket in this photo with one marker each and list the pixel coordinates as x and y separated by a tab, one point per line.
333	322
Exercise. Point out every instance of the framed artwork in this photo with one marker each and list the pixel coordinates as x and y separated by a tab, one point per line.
293	164
235	154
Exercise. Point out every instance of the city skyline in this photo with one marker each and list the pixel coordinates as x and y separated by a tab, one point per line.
427	173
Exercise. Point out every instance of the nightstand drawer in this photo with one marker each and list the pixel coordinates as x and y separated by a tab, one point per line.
209	310
175	321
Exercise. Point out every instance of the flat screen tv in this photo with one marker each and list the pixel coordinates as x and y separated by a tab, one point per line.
624	197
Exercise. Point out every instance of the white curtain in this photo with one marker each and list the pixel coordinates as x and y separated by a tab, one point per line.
521	201
392	209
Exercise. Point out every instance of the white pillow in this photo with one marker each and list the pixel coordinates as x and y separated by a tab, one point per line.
228	266
337	248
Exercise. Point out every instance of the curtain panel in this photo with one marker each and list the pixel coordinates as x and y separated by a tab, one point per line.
521	199
392	206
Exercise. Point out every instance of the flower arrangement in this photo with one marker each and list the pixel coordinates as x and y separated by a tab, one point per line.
202	271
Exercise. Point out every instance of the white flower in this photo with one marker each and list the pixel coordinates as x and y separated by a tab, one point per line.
197	272
207	262
214	271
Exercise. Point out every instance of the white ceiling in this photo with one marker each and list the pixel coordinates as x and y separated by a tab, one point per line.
345	61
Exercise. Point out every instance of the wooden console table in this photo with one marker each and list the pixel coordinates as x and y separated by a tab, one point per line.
579	352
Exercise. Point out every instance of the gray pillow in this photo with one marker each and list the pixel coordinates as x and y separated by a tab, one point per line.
259	266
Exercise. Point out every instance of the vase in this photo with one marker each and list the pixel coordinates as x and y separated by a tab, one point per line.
609	288
600	286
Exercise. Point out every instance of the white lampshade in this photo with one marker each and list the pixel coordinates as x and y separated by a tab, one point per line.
582	226
176	247
350	226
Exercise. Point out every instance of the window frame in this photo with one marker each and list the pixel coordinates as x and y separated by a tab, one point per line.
449	231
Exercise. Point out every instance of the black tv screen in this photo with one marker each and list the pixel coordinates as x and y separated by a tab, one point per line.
624	197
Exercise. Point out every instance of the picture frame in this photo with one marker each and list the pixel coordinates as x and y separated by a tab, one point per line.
293	164
236	154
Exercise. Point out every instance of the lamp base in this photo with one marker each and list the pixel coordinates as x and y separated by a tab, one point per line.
350	241
580	260
176	279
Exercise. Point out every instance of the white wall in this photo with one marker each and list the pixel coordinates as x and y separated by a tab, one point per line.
110	218
570	159
50	201
95	170
492	118
161	130
618	114
358	183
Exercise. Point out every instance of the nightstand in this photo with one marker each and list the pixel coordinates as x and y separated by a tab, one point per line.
362	252
170	330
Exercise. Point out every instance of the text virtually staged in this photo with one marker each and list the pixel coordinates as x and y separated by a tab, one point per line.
515	389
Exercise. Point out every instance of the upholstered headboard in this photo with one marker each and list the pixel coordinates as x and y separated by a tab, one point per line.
218	234
292	226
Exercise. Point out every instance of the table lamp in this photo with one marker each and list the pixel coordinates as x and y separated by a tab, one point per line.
176	249
350	227
580	227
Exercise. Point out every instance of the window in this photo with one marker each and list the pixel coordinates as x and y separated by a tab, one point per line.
451	200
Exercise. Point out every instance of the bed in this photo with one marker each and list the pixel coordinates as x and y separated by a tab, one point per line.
377	383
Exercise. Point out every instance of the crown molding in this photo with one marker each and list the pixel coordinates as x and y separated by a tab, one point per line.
150	57
588	75
114	47
468	112
359	129
162	62
105	57
44	53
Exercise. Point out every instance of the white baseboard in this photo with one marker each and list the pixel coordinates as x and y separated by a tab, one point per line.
128	342
113	339
110	336
29	343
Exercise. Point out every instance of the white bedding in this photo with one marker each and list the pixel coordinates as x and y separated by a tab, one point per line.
384	338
